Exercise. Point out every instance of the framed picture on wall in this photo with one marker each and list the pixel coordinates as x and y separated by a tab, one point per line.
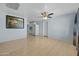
13	22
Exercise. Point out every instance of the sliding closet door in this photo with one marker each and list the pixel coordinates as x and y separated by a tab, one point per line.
77	40
75	31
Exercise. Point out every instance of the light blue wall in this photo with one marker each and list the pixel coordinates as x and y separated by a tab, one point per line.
61	27
45	28
41	28
11	34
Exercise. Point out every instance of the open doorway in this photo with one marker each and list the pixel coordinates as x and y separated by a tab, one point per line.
37	28
33	28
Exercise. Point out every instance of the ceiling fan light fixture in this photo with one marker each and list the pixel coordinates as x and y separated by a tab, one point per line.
45	15
45	18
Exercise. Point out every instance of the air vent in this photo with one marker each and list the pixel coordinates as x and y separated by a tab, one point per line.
14	6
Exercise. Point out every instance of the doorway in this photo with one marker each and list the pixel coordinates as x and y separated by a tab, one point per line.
32	28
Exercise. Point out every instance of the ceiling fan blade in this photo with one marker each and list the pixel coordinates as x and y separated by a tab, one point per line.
49	17
50	14
41	13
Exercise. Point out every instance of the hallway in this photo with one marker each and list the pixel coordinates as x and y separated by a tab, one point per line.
38	46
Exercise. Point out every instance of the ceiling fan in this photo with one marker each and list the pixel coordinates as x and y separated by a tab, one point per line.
45	15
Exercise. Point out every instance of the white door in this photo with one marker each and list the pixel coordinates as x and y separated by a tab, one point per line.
37	30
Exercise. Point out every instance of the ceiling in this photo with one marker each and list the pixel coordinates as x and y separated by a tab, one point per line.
33	10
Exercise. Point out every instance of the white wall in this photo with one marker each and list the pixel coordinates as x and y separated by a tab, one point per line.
11	34
61	27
